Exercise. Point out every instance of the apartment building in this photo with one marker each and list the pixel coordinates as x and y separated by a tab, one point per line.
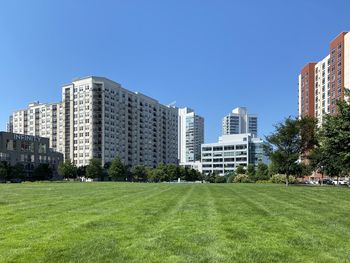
230	152
40	119
191	136
239	121
98	118
104	120
322	83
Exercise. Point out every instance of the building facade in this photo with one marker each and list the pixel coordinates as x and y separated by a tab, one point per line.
104	120
230	152
191	136
322	83
239	121
28	150
40	119
98	118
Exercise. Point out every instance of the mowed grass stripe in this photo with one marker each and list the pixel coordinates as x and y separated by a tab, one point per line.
131	222
297	233
121	230
67	218
65	207
40	192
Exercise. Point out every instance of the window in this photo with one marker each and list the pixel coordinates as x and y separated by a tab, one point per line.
10	145
230	147
217	148
42	148
206	149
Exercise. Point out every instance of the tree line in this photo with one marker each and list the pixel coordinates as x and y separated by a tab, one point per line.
117	171
17	172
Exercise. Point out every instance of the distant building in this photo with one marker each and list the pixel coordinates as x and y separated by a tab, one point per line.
98	118
103	120
197	165
191	135
40	119
240	122
29	151
230	152
322	83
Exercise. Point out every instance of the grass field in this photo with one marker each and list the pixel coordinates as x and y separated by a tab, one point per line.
121	222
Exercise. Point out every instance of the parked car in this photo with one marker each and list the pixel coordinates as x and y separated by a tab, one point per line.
340	182
327	181
343	182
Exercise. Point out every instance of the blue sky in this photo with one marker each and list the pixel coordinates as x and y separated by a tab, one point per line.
211	56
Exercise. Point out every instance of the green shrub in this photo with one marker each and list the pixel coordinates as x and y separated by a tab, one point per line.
281	179
241	178
231	178
220	179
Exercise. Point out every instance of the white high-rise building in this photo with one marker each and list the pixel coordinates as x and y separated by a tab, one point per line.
322	88
104	120
40	119
97	118
191	135
239	121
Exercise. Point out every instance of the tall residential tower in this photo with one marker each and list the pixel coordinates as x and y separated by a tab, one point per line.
40	119
322	83
191	135
239	121
97	118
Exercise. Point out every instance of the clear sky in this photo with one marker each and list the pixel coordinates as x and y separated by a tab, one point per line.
211	56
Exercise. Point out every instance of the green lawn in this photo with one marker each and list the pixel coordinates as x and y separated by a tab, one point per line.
125	222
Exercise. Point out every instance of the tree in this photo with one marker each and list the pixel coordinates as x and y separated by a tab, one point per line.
17	171
219	179
286	147
117	170
334	140
162	173
154	175
139	173
173	172
183	173
251	172
272	168
307	131
81	171
67	170
230	176
262	172
94	169
210	177
240	169
4	170
42	172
